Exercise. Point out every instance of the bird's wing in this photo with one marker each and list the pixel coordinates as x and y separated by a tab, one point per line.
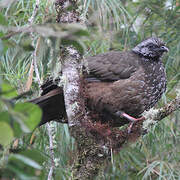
111	66
108	67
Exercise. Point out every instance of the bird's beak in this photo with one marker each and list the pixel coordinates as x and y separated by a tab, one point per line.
164	49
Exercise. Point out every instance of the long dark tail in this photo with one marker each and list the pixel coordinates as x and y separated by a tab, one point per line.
52	105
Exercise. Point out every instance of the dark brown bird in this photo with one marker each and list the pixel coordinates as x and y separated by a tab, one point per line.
118	84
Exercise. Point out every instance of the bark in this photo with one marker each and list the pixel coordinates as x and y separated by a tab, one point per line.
91	155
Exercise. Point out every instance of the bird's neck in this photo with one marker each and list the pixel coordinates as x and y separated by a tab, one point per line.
146	57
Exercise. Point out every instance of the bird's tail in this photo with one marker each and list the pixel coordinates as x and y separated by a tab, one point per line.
52	105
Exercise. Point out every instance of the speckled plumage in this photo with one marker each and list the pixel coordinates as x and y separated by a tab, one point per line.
131	81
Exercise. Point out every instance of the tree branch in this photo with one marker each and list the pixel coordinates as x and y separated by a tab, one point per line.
163	112
51	148
72	95
91	155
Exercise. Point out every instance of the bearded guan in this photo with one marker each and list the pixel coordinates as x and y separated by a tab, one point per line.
118	85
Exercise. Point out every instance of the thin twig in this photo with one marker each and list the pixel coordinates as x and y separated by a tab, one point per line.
35	63
29	80
31	19
34	59
47	30
51	151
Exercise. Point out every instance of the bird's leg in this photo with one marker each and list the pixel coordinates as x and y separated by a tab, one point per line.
130	118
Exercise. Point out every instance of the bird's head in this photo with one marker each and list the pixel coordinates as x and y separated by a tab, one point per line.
151	48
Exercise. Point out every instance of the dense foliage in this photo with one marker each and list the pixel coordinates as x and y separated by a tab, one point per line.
110	24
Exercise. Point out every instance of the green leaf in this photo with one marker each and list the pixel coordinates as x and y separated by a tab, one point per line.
26	44
4	117
81	32
20	173
1	47
1	34
3	20
27	163
29	114
25	160
35	155
8	91
28	47
6	134
8	118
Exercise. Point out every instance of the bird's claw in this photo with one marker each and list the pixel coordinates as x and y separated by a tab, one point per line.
130	127
132	120
132	123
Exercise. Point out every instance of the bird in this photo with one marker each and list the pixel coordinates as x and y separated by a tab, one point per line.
119	85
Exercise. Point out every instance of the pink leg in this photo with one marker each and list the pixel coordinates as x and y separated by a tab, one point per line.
130	118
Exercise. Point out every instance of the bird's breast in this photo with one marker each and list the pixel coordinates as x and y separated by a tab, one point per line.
141	91
155	78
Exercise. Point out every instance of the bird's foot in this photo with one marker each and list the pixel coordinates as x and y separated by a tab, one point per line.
130	118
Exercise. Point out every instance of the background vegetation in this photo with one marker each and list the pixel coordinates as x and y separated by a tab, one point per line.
111	24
